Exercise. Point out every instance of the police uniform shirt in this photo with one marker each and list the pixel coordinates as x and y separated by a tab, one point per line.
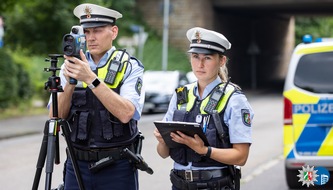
127	90
239	131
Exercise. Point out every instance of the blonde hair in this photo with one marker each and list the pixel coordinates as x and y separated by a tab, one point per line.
223	71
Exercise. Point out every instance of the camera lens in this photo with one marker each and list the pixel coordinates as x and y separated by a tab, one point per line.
69	39
75	30
68	50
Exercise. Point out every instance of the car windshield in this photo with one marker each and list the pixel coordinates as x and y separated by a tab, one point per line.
162	82
314	72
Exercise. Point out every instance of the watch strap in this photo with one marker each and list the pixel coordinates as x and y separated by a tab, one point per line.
94	83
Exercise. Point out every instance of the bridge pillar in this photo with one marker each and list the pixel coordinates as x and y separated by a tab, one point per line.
274	37
273	34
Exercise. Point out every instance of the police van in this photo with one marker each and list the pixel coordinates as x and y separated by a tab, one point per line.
308	109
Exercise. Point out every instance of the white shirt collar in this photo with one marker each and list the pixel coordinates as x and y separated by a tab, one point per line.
208	88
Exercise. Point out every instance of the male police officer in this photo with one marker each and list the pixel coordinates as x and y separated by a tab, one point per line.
104	106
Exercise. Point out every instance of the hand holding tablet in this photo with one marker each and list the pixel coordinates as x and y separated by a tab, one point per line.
188	128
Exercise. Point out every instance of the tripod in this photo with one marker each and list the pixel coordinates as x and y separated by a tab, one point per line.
49	150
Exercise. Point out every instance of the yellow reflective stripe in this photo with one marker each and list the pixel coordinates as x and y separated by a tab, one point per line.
191	99
120	74
229	90
221	103
326	146
103	71
291	133
297	97
288	140
299	122
314	50
301	119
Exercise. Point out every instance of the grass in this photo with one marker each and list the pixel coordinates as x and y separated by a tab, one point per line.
23	109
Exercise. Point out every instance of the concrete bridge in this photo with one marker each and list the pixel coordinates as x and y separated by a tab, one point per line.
262	32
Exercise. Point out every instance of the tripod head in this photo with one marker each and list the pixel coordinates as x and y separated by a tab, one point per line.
53	83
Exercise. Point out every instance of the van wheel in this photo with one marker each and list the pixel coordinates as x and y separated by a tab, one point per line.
292	179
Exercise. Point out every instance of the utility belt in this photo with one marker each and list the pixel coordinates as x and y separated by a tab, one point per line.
102	158
201	179
94	155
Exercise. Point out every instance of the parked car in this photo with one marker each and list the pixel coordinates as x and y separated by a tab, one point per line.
159	87
308	111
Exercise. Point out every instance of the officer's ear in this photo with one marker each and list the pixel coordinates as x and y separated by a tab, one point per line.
223	60
114	30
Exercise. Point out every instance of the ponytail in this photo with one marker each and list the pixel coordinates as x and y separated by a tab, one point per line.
223	71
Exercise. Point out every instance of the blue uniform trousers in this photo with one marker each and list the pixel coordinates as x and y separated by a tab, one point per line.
118	176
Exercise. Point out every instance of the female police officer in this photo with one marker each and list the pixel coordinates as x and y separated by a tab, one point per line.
199	166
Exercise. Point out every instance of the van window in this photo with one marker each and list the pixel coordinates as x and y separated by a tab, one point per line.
314	72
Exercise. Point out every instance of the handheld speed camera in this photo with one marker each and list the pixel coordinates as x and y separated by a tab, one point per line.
72	43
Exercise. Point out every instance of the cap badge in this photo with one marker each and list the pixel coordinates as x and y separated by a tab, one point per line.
198	36
87	11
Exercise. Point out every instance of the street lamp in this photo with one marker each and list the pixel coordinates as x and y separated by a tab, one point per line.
165	34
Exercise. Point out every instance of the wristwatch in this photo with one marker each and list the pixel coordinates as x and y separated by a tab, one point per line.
209	152
94	83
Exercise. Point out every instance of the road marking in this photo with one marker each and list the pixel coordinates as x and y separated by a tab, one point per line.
263	167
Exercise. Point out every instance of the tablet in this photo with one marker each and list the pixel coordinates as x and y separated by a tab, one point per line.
188	128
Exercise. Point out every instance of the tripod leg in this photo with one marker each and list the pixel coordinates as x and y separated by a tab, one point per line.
51	152
41	158
57	156
70	152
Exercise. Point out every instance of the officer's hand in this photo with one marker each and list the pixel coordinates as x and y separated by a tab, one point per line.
79	69
195	143
158	136
65	71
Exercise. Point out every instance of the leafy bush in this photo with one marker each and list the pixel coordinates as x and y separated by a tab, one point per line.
8	80
15	85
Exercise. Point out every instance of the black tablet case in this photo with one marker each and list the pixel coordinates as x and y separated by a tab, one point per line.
165	127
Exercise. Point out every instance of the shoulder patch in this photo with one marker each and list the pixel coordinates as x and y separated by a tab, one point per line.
246	117
138	86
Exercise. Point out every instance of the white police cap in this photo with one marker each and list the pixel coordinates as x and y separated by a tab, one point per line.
91	15
207	41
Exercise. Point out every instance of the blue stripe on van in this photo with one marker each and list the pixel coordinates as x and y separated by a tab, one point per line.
311	139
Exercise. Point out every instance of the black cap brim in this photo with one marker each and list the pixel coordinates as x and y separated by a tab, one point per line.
202	51
94	24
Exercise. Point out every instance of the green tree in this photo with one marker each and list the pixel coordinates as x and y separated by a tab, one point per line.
315	26
37	27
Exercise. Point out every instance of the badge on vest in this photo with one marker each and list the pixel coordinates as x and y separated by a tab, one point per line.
181	95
